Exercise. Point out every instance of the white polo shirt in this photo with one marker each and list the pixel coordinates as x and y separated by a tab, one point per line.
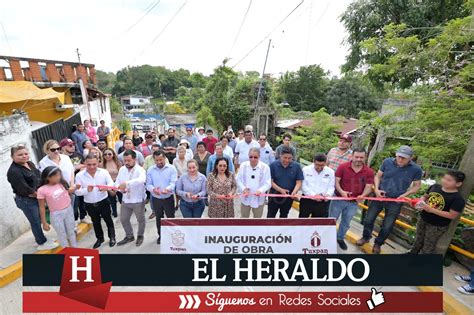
135	179
101	177
243	149
65	165
315	183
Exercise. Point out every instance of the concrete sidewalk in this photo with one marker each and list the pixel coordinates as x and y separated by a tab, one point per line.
10	295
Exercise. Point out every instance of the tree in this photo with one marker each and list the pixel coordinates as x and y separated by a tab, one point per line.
105	81
350	95
115	106
304	89
319	137
190	98
123	125
205	118
365	18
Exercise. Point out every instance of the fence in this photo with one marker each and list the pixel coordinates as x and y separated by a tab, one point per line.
56	130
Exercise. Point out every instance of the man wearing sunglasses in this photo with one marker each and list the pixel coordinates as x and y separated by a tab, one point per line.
267	155
253	179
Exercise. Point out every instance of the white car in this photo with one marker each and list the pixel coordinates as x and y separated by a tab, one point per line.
147	120
138	127
135	119
152	119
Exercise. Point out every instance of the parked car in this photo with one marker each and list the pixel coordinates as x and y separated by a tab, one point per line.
135	119
137	127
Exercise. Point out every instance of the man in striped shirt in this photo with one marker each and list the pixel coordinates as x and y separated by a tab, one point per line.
341	154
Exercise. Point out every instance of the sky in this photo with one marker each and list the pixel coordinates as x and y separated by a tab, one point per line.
196	34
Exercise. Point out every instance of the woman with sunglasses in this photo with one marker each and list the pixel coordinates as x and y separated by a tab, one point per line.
25	179
112	165
54	157
221	186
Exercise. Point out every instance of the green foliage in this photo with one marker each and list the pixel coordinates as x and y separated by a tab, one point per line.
190	98
123	125
174	108
205	118
115	106
304	89
320	137
105	81
365	18
350	95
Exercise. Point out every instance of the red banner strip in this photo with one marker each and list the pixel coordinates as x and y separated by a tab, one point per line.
240	302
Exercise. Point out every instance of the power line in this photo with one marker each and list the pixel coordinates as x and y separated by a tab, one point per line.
311	26
161	32
6	38
147	10
240	28
268	35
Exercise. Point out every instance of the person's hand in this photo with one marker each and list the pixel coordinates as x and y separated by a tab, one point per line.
165	191
157	190
426	207
246	192
258	193
72	189
194	197
122	186
90	188
46	226
284	191
360	199
346	194
294	194
188	195
33	194
78	186
380	193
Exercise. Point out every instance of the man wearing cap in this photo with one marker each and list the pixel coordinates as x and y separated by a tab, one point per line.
340	154
201	134
192	139
398	177
145	147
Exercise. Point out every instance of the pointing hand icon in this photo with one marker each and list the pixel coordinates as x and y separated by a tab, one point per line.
376	299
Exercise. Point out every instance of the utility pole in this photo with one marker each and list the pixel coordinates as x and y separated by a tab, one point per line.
259	93
85	99
467	168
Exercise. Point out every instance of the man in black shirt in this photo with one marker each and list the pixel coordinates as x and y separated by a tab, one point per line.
170	144
441	204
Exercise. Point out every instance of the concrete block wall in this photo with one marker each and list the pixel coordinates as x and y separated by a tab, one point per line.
14	130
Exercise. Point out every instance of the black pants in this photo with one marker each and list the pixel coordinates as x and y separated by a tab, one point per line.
162	207
317	209
79	209
102	210
279	204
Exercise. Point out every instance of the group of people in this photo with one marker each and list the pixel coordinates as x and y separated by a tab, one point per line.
84	176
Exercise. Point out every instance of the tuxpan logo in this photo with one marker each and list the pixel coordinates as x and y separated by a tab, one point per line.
177	238
315	244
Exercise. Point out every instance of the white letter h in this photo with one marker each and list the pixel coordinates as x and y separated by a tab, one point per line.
76	269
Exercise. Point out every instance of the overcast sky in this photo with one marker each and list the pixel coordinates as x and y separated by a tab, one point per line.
200	36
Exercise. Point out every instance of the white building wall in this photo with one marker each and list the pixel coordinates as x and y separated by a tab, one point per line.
98	111
14	130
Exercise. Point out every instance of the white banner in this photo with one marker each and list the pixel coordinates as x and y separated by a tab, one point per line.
248	236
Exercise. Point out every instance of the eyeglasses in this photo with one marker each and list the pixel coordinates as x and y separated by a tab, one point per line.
221	165
188	130
108	154
54	149
253	157
262	139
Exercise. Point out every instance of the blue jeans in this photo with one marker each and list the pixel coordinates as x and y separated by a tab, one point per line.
192	209
30	208
392	210
345	209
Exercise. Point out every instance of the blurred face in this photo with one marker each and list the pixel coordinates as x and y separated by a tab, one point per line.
209	135
201	131
55	179
319	166
54	150
286	141
108	155
154	148
159	161
192	168
149	139
402	161
201	148
135	133
91	165
248	137
80	128
358	159
241	134
219	150
449	182
102	123
181	152
128	145
171	133
70	148
222	166
253	158
262	140
189	132
286	159
87	123
343	144
88	144
128	161
21	156
224	142
101	145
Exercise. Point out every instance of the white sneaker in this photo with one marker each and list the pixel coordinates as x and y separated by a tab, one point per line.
47	245
86	220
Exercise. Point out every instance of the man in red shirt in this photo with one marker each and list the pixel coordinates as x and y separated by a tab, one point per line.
210	141
353	179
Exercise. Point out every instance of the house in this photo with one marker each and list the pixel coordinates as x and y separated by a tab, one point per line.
135	103
345	125
72	81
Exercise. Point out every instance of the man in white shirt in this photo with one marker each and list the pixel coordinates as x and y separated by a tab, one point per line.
319	180
131	182
96	200
128	145
253	179
243	147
